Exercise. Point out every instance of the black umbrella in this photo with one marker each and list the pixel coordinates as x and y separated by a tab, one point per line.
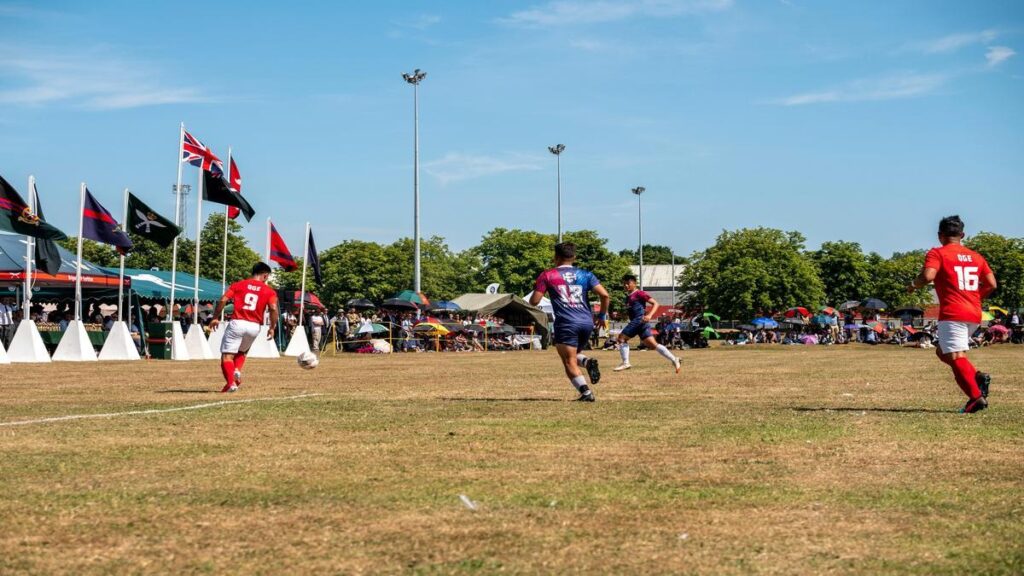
849	305
508	329
473	328
908	311
873	304
361	304
396	304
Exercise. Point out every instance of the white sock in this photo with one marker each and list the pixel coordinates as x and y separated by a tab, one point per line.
624	352
660	349
581	360
579	382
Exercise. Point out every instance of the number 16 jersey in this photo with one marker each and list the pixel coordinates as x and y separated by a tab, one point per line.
251	298
567	288
960	271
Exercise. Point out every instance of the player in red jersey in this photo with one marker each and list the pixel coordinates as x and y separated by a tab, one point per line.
251	298
962	279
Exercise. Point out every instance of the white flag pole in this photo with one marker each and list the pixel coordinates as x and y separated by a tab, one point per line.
78	261
29	256
302	292
224	259
120	276
199	233
177	213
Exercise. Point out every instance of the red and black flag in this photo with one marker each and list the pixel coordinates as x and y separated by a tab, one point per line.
314	259
215	189
17	217
279	251
234	183
99	225
47	253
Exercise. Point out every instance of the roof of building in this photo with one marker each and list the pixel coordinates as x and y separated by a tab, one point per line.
657	276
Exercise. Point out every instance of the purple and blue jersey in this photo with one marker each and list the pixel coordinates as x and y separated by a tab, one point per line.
636	304
567	288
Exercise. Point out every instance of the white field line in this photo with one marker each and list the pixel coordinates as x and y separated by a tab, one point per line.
153	410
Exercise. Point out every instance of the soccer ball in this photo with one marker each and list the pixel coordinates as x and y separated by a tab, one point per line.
308	360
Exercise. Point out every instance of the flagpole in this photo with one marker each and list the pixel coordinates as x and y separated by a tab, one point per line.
29	245
78	263
177	213
305	261
199	233
120	276
224	260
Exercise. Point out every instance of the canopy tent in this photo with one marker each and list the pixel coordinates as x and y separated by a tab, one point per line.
513	309
154	286
12	271
544	304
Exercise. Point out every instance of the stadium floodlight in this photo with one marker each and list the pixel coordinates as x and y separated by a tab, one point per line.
415	78
557	150
640	232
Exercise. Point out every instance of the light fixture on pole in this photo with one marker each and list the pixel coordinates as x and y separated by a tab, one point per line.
557	150
415	78
640	232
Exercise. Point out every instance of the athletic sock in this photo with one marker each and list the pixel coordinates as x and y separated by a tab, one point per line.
965	377
660	349
581	360
227	367
624	352
239	361
580	384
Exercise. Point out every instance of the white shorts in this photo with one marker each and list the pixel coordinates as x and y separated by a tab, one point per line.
239	336
955	336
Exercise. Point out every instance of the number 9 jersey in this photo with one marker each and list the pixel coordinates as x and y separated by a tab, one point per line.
251	298
959	273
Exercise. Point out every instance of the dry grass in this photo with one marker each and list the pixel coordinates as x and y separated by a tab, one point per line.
772	460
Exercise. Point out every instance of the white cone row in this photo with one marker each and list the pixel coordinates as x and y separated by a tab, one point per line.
298	344
264	347
3	355
27	345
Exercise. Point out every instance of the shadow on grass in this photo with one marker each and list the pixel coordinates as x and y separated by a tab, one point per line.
188	391
895	410
455	399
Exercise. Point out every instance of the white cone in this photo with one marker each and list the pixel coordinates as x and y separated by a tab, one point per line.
298	344
75	345
27	345
263	347
179	351
119	344
217	337
3	355
195	342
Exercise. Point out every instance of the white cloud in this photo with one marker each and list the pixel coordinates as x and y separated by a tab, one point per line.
954	42
996	55
456	166
567	12
91	78
876	89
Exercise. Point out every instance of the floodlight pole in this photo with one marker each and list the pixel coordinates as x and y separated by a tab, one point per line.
640	232
557	150
415	78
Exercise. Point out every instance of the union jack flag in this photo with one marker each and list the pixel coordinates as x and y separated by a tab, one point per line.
195	153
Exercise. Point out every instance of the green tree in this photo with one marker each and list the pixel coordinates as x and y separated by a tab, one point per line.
444	274
890	278
1006	258
592	254
92	251
241	257
513	258
752	271
843	268
653	254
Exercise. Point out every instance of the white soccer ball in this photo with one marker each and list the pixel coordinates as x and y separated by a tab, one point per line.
308	360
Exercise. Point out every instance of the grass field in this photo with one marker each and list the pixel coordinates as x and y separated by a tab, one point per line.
754	460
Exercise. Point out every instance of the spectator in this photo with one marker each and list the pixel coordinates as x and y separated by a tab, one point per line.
7	326
317	322
63	325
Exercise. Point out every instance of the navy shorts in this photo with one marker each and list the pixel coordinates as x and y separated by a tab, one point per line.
637	328
573	335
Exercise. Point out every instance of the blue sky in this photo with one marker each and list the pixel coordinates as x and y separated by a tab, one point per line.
862	121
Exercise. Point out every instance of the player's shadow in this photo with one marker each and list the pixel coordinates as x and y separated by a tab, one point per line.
892	410
187	391
469	399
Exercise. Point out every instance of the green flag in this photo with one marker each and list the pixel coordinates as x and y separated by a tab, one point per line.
143	221
16	217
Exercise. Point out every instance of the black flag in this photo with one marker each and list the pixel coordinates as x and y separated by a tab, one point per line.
15	216
215	189
143	221
47	252
314	259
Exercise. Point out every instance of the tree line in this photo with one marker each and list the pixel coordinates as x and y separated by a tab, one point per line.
744	273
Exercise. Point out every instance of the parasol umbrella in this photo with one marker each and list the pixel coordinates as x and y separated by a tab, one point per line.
854	326
849	305
711	316
877	327
987	316
763	322
823	320
997	311
907	311
360	304
910	329
874	304
396	304
372	329
828	311
430	328
444	305
409	296
808	339
797	311
507	329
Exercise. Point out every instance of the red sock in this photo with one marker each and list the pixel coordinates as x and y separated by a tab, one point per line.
965	373
227	367
239	361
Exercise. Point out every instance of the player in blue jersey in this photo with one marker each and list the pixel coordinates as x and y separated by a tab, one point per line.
567	287
641	308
